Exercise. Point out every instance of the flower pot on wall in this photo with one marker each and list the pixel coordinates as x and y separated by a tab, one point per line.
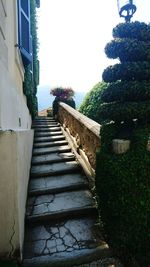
62	95
69	102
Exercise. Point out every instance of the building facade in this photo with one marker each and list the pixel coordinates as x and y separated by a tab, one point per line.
16	135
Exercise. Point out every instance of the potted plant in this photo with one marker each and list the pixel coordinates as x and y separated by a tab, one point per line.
62	95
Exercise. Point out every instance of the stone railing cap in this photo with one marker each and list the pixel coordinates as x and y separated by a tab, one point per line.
89	124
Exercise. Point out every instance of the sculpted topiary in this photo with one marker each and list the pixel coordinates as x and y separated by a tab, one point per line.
128	90
123	181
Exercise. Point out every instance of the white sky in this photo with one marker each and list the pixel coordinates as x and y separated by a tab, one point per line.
72	37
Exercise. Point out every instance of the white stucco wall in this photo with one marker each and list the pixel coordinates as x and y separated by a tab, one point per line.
16	136
15	157
14	113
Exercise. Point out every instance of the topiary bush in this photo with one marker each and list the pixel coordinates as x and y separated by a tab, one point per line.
127	71
123	189
134	30
128	49
123	181
128	81
91	104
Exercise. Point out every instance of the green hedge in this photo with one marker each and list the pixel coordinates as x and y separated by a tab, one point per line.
127	71
134	30
127	91
31	76
125	111
92	101
128	50
123	189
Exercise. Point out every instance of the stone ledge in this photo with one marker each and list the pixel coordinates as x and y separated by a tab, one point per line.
88	123
84	133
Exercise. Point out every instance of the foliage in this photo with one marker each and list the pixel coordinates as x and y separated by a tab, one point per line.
62	93
128	88
127	91
128	50
31	76
122	181
125	111
126	71
123	189
91	103
134	30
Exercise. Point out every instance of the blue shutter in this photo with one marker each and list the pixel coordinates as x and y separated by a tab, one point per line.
25	43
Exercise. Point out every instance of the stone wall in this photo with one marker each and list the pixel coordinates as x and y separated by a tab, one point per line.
16	136
15	158
85	133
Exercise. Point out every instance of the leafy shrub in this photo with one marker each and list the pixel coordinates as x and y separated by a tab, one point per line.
127	91
139	70
128	50
134	30
123	189
31	76
92	102
122	181
125	111
128	81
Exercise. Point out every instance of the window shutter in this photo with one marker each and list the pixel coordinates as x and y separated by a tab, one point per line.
25	43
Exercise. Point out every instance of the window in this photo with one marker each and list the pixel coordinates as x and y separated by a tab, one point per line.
25	43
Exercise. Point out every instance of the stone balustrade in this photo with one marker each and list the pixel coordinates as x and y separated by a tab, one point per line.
84	133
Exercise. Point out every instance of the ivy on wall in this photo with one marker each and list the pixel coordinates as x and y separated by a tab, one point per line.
31	77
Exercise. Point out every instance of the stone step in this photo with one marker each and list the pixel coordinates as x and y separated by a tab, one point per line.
51	149
49	139
45	126
65	244
55	169
52	129
58	206
58	184
47	134
44	118
43	121
53	158
50	144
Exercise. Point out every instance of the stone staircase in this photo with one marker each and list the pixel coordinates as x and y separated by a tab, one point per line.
61	215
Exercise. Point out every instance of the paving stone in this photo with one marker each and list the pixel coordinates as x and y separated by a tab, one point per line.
67	259
52	129
51	158
51	244
54	169
51	149
61	182
44	121
51	124
58	203
69	239
47	134
49	139
55	146
36	247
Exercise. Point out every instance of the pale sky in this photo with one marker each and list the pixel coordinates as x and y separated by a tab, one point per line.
72	37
